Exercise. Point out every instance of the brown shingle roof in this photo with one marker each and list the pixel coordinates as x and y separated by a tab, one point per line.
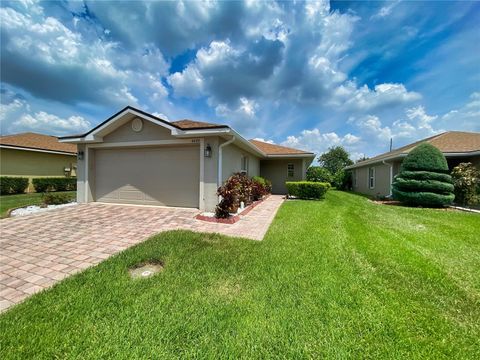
273	149
447	142
37	141
191	124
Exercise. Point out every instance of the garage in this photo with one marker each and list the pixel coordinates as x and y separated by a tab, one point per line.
165	176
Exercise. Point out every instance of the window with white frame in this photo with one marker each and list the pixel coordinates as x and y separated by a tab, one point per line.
290	170
244	165
371	178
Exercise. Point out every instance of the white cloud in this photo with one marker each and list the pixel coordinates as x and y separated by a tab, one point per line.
316	141
264	140
466	117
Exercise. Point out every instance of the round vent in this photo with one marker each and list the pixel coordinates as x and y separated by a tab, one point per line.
137	125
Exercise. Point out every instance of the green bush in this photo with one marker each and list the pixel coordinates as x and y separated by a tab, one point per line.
423	178
319	174
13	185
57	199
54	184
260	187
466	179
343	180
307	189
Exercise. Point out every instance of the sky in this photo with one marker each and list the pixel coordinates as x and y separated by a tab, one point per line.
310	75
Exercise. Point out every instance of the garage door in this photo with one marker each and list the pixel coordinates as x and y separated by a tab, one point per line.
166	176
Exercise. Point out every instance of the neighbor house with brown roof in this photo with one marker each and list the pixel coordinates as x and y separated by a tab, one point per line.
36	155
134	157
374	176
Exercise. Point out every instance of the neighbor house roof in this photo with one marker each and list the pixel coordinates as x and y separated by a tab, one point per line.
274	149
450	143
36	142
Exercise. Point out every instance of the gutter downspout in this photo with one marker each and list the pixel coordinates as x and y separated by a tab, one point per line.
391	176
220	158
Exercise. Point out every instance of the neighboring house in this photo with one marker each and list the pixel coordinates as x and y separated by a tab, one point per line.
36	155
374	176
137	158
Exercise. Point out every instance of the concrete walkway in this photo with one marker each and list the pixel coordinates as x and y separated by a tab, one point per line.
38	250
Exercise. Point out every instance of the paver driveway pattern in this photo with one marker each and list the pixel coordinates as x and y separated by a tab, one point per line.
40	249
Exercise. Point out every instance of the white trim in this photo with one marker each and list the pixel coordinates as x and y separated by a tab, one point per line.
37	150
203	132
193	141
201	192
391	177
87	165
288	165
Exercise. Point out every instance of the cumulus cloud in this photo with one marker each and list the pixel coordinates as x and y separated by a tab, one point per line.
316	141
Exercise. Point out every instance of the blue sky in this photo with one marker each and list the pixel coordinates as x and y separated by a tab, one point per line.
305	74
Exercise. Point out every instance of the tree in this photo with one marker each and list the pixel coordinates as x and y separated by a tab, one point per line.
466	180
423	178
335	159
319	174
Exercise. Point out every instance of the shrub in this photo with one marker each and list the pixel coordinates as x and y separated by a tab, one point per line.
54	184
343	180
236	188
307	189
260	187
319	174
423	178
466	180
13	185
56	199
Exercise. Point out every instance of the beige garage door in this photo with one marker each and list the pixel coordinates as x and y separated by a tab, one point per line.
151	176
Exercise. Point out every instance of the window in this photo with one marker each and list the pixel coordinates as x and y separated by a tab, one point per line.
290	170
371	178
244	165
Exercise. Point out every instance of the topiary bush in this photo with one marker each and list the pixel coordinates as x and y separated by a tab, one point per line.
319	174
466	180
13	185
423	179
307	189
57	199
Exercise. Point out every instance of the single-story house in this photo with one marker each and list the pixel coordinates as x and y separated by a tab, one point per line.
136	158
36	155
375	176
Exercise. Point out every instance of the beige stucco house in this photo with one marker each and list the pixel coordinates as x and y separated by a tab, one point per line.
137	158
375	176
36	155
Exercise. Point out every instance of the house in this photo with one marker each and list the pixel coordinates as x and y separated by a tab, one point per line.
374	176
136	158
36	155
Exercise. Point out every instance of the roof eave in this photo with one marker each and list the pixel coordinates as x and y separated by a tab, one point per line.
24	148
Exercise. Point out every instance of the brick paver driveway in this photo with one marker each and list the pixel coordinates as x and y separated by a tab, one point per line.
41	249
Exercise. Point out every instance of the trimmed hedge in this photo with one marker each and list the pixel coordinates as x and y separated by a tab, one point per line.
13	185
54	184
57	199
423	178
307	189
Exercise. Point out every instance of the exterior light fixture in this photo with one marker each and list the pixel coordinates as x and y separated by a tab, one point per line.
208	151
80	155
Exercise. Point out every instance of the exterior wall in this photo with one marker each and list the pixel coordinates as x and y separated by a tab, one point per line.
34	164
232	161
210	174
150	132
276	172
382	180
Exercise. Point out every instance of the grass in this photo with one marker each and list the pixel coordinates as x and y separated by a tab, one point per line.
8	202
339	278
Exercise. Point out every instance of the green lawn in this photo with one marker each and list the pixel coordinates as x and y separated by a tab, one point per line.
14	201
340	278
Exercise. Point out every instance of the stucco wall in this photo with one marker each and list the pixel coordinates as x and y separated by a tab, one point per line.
34	164
232	161
210	174
276	172
149	132
382	180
